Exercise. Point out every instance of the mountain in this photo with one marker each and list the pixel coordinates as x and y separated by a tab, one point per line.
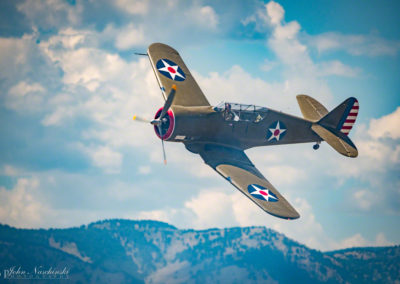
124	251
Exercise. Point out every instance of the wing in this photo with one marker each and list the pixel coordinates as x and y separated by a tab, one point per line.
236	167
170	69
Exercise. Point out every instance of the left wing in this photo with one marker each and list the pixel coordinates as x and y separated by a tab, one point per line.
235	166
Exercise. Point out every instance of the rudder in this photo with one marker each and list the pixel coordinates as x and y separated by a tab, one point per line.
336	125
343	117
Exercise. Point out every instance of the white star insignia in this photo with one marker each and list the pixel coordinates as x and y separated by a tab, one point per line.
172	70
263	192
276	132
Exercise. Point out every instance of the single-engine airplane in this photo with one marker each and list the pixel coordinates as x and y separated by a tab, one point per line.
220	134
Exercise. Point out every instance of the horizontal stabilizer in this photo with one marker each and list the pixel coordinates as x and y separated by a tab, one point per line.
310	108
338	140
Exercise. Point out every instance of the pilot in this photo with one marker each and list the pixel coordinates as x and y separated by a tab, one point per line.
228	112
258	118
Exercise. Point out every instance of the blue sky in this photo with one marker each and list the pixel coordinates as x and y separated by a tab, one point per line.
70	83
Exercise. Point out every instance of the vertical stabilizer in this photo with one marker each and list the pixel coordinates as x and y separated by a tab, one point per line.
336	125
343	117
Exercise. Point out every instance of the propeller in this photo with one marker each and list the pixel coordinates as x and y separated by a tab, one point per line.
161	119
141	119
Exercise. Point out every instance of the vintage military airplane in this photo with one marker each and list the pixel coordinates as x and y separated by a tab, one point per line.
220	134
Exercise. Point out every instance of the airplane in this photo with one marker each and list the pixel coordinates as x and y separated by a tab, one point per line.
220	134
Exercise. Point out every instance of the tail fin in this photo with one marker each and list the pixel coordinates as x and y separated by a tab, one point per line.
336	125
333	127
343	117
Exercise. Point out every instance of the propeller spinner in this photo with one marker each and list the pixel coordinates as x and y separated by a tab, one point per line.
163	121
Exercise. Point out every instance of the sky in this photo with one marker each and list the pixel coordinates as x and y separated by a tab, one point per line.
70	83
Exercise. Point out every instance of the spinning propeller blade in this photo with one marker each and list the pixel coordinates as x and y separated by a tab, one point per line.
159	121
163	113
168	102
163	150
140	119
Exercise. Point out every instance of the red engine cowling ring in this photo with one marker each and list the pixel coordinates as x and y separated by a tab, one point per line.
170	122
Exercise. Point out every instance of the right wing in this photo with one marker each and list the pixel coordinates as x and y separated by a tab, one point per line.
236	167
170	69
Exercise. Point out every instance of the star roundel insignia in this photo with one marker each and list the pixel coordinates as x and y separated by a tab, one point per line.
170	69
276	131
262	193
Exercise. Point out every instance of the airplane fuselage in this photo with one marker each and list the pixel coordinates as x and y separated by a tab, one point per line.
238	129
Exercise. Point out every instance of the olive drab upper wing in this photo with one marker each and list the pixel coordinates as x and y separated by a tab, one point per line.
170	69
235	166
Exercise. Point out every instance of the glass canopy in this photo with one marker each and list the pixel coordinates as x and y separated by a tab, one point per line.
241	112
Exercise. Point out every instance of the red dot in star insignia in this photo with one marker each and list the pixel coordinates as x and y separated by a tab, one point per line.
276	132
172	70
263	193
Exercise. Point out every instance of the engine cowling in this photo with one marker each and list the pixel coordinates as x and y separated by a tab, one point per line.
167	125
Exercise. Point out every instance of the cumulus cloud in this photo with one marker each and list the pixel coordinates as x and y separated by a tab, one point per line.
275	12
358	240
386	126
104	157
203	16
359	45
337	68
25	96
51	13
9	170
129	37
22	206
144	170
136	7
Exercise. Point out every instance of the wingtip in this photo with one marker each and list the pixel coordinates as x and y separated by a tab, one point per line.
134	117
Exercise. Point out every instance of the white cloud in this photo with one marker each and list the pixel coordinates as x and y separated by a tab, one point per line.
144	170
25	96
236	85
58	116
203	16
129	36
337	68
211	208
9	170
268	65
23	88
275	12
135	7
359	45
22	206
386	126
70	38
378	148
104	157
284	175
358	240
158	215
51	13
364	199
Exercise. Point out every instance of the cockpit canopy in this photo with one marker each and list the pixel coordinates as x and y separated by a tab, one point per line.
241	112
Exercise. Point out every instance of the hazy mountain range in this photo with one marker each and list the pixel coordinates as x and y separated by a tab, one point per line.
123	251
